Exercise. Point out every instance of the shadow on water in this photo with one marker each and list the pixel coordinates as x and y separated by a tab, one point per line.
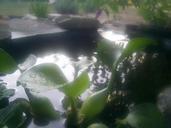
73	43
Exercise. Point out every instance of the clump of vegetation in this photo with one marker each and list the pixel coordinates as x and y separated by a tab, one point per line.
67	6
39	8
156	12
89	6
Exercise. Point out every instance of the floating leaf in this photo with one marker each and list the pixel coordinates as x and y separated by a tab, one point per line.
7	63
97	125
43	77
145	116
16	107
94	104
41	106
78	86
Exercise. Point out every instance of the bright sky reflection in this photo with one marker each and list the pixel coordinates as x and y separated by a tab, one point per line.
116	37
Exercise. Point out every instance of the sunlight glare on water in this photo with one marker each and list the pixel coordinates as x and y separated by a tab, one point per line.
119	38
62	61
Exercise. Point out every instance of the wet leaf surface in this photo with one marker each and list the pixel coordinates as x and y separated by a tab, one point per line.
41	107
97	125
78	86
42	77
15	109
7	64
94	104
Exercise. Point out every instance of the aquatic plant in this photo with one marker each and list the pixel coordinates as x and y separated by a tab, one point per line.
80	113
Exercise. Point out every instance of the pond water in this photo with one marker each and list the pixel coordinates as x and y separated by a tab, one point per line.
70	51
68	59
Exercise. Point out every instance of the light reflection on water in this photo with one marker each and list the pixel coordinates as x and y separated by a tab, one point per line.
117	37
65	63
68	67
17	35
62	61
